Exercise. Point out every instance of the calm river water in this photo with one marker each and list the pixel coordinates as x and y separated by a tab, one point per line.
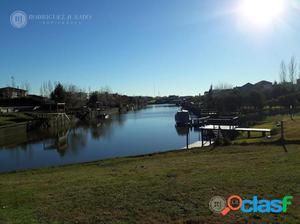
135	133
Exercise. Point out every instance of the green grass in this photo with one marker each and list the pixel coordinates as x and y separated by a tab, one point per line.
12	118
291	128
173	187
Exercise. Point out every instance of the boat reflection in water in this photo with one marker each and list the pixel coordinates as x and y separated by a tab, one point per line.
182	130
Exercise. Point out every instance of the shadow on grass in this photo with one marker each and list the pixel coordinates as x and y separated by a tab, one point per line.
280	142
284	143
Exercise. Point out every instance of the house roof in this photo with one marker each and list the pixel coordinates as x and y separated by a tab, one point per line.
12	88
263	83
247	85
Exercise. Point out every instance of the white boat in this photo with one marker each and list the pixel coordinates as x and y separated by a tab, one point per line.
182	117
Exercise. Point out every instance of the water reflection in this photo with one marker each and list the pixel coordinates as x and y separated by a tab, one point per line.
182	130
134	133
77	139
101	129
59	142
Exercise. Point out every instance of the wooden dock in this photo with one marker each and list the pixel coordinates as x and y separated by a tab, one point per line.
224	124
263	131
54	119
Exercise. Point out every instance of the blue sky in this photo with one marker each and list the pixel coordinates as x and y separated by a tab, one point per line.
138	46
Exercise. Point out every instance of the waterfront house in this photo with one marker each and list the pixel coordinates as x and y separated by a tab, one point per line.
11	93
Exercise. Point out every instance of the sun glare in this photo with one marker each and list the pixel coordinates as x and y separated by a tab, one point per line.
261	12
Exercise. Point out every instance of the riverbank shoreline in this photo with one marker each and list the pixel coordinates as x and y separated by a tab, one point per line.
94	161
102	192
162	187
15	127
243	140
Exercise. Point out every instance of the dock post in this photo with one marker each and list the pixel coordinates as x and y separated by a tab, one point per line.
187	140
249	134
202	137
281	130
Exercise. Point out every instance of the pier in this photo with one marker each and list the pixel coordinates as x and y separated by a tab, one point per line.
224	124
215	128
263	131
54	119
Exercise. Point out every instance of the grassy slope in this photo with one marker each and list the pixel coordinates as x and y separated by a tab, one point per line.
172	187
11	118
291	128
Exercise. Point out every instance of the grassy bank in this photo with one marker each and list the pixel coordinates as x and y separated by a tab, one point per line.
173	187
291	130
12	118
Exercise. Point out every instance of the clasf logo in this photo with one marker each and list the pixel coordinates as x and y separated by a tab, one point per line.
254	205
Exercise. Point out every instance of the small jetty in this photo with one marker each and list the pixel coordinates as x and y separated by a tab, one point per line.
263	131
53	119
214	127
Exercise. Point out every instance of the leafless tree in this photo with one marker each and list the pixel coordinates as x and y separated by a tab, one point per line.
13	82
50	87
46	88
41	91
223	86
292	70
25	85
105	89
282	73
299	71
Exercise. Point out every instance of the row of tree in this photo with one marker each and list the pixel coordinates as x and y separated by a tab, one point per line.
282	94
235	100
20	85
289	72
75	97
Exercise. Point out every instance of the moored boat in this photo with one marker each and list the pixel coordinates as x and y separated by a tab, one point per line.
182	117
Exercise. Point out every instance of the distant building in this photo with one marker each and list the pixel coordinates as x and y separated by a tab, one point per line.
215	91
11	93
37	97
264	85
246	87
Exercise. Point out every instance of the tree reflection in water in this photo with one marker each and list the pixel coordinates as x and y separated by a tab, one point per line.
63	139
78	139
58	140
182	130
101	128
127	134
119	119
